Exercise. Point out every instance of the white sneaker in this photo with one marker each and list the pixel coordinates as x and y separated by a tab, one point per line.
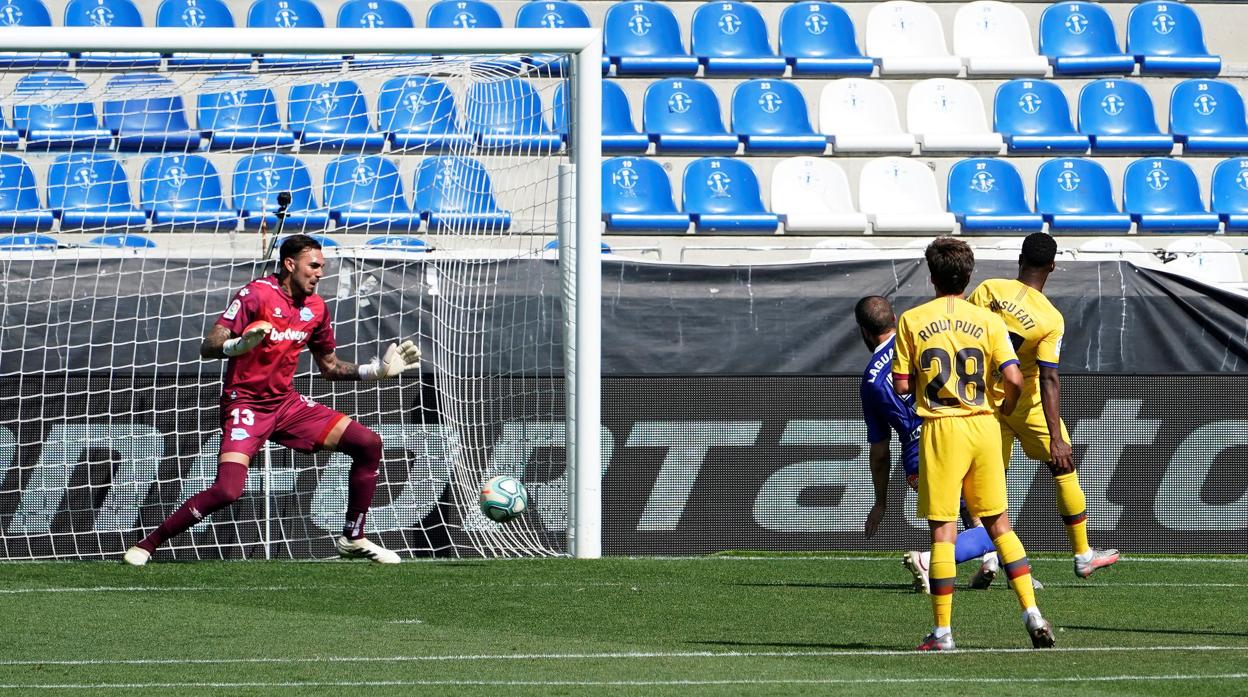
1039	629
987	572
916	562
136	556
1093	560
364	549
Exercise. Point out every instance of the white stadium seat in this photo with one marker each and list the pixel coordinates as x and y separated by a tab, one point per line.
848	249
812	195
947	115
909	39
861	116
899	195
1208	261
994	38
1117	249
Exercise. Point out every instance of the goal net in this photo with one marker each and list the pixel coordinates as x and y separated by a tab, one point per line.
141	186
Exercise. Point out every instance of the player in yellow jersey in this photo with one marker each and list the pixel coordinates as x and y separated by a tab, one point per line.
948	353
1036	329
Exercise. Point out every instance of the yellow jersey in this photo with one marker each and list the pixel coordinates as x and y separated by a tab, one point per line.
953	351
1035	326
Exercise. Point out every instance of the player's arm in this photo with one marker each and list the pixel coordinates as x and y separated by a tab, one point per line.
1006	359
398	358
1047	355
235	333
902	357
881	462
1012	383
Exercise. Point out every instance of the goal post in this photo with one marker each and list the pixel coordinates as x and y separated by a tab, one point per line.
453	307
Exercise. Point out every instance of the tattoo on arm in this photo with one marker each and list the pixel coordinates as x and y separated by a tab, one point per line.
334	368
213	341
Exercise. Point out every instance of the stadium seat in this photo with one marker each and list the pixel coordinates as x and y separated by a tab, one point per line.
1079	39
817	39
1074	196
1208	116
730	38
463	14
290	14
619	135
195	14
682	116
986	196
637	197
454	194
643	38
1166	39
57	123
184	191
9	137
29	13
1205	259
861	116
418	112
508	114
242	116
257	181
947	115
770	116
19	198
148	124
721	195
1118	116
366	191
332	116
27	242
907	37
1163	195
89	190
1229	197
553	14
1033	117
404	242
553	246
994	38
374	14
899	195
108	13
811	194
121	240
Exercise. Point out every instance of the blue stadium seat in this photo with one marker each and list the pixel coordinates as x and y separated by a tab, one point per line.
19	198
108	13
63	126
332	116
1033	117
122	240
722	195
28	13
290	14
1208	116
1079	39
374	14
771	116
405	242
463	14
8	134
619	135
508	113
553	14
637	197
817	38
1166	39
730	38
1163	195
242	115
682	116
325	240
418	112
147	124
643	38
1118	115
195	14
365	191
986	196
89	190
1230	193
184	191
28	242
553	246
1074	196
454	194
257	181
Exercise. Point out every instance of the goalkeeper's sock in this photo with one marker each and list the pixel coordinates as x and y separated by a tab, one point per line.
1074	509
1017	568
972	543
364	448
942	572
228	486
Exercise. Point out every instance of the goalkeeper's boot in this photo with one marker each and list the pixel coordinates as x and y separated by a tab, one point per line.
136	556
364	549
1040	630
916	562
931	642
1093	560
987	572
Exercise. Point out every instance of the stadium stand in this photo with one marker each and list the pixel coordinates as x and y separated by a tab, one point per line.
148	124
1079	39
419	113
290	14
817	39
1166	39
722	195
108	13
1118	116
463	14
27	242
899	195
508	113
456	193
619	135
89	191
861	116
1075	196
908	39
29	13
1207	116
812	195
195	14
643	38
1229	194
730	38
683	116
238	117
122	240
987	197
558	14
332	116
19	197
994	38
1163	195
947	115
184	191
1033	117
366	191
770	117
256	183
63	126
637	197
374	14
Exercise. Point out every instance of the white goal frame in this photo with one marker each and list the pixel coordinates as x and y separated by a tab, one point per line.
582	279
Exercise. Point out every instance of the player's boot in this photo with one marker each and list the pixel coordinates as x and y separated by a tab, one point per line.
987	572
136	556
1093	560
916	562
1040	630
931	642
364	549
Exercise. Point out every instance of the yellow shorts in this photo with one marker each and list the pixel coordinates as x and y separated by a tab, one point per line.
1027	424
960	457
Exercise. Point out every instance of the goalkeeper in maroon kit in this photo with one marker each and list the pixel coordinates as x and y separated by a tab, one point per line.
261	334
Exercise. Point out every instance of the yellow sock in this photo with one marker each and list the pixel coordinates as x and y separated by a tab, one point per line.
942	572
1074	509
1017	568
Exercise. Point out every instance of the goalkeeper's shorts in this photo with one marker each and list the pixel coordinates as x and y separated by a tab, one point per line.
295	421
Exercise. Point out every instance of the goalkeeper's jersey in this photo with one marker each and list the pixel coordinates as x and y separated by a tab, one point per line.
264	373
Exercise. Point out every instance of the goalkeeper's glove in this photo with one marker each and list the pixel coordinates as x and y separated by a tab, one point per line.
398	358
251	338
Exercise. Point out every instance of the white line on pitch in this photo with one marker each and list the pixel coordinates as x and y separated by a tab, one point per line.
623	655
850	557
141	589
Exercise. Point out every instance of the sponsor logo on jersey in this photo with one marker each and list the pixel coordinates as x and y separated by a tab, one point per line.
239	434
287	335
305	314
232	311
277	312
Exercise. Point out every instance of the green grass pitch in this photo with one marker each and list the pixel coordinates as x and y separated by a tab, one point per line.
727	625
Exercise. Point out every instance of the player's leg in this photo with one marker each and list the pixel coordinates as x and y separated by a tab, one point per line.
942	465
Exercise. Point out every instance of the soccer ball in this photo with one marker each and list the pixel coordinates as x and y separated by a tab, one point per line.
503	498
